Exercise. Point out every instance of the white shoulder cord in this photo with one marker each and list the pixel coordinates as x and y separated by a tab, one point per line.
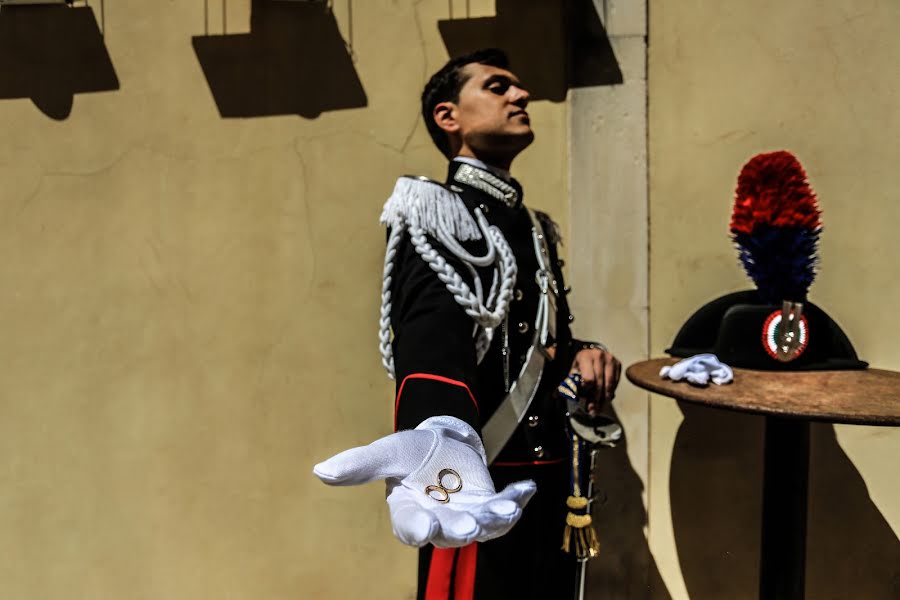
384	322
486	315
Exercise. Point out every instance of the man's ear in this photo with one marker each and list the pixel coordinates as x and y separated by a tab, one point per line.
444	115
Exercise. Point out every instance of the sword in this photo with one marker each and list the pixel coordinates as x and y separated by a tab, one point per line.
581	568
589	432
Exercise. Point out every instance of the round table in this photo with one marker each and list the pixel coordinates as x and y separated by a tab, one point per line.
789	401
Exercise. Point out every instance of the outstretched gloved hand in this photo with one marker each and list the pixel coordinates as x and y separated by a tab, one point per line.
444	456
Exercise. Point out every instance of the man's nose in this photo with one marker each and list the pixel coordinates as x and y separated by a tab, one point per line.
520	96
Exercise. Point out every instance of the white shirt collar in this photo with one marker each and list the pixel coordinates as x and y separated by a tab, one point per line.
501	173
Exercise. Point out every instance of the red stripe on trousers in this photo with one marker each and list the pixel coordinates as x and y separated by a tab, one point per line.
439	574
433	378
465	572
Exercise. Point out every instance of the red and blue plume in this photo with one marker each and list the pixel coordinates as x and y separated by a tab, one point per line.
776	226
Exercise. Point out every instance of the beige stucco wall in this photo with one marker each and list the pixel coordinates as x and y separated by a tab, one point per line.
189	305
189	316
729	80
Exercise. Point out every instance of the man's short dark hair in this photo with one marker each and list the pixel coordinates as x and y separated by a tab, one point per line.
444	86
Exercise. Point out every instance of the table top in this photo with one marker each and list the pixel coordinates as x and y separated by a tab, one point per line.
860	397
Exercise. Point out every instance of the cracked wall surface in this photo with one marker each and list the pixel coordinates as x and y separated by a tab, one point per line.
189	319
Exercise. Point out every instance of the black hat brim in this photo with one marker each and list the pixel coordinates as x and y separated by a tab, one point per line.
731	327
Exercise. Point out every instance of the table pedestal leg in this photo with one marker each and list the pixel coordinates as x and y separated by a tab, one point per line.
785	487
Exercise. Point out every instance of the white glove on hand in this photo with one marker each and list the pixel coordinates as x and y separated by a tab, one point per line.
409	462
699	369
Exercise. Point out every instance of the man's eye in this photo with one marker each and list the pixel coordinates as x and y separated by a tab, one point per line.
498	88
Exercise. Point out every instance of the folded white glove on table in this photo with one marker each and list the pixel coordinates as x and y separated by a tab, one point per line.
410	462
699	370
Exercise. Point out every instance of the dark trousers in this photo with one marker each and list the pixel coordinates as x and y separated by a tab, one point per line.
525	564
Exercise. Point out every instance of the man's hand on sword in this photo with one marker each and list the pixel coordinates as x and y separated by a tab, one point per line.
600	372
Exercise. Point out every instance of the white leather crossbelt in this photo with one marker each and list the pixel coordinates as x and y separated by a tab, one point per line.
512	409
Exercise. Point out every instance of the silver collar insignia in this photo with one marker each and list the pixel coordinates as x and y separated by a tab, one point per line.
488	183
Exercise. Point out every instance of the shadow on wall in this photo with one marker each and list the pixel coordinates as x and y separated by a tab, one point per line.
293	61
625	568
716	498
552	46
51	53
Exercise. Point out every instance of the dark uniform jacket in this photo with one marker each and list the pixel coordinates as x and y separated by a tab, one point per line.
437	374
434	353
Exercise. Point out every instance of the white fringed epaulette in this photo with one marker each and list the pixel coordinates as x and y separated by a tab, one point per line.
421	207
423	203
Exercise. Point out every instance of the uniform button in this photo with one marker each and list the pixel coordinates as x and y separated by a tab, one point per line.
571	318
567	289
517	294
533	420
484	208
539	451
560	263
523	327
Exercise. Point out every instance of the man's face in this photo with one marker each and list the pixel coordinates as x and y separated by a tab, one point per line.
491	111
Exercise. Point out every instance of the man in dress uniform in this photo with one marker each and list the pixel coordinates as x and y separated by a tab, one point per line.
475	331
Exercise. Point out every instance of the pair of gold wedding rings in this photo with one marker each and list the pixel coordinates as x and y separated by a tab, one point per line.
443	492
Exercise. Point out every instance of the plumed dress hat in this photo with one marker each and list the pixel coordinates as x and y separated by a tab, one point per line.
732	327
775	227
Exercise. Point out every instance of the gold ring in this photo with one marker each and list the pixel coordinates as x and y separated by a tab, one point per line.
437	488
444	492
444	472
